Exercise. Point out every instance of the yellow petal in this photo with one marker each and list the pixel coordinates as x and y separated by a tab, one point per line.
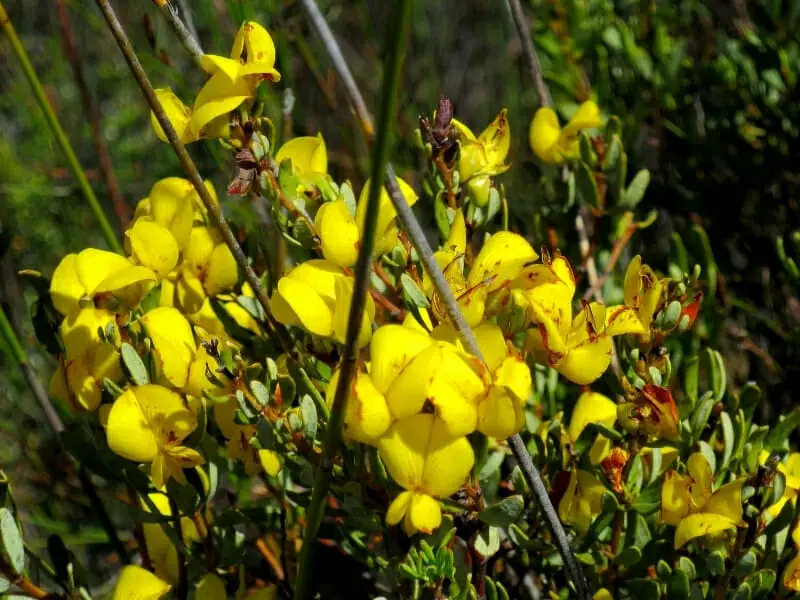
254	47
338	233
270	461
102	271
171	207
153	246
791	574
404	449
218	97
308	154
392	349
386	213
582	500
136	583
674	498
501	260
515	376
423	515
200	248
86	391
700	471
341	313
368	415
464	132
129	430
448	462
591	407
297	303
700	524
490	340
177	113
621	320
458	414
79	331
791	468
66	289
587	117
190	294
57	388
585	363
633	281
222	273
543	135
321	275
212	63
398	508
727	502
496	139
500	415
472	159
409	390
601	447
173	341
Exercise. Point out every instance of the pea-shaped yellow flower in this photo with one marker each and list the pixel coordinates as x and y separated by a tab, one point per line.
316	296
178	114
652	412
153	246
790	468
550	142
643	291
137	583
147	424
341	231
174	203
87	360
93	277
174	346
308	155
484	156
161	550
428	463
582	501
690	503
791	574
235	79
368	416
485	290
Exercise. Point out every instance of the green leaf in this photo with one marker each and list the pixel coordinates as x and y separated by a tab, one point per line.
491	465
709	265
440	214
687	566
779	435
707	451
11	541
643	588
635	190
413	293
780	522
691	378
716	563
747	564
635	478
309	412
728	437
260	392
133	364
663	570
587	152
503	513
629	557
715	370
679	258
743	592
302	232
648	501
749	398
4	585
678	586
608	432
586	186
487	542
702	412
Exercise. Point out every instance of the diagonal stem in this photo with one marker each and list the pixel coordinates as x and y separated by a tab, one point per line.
184	33
57	425
274	329
58	132
415	233
363	268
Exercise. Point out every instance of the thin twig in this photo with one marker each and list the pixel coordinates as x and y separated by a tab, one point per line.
274	330
425	252
61	137
122	210
57	425
186	37
531	58
182	589
363	269
25	585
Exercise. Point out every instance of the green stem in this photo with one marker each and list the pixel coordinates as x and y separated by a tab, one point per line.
40	393
61	137
363	268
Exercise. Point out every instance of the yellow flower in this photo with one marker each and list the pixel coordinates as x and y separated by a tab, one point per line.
95	276
147	424
428	463
174	203
579	348
643	291
582	501
173	343
487	287
791	574
178	115
483	157
153	246
160	548
316	296
689	502
791	470
88	360
593	407
367	417
653	412
208	269
235	79
308	154
501	407
136	583
238	445
550	142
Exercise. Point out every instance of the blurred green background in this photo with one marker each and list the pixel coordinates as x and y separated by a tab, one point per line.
707	92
